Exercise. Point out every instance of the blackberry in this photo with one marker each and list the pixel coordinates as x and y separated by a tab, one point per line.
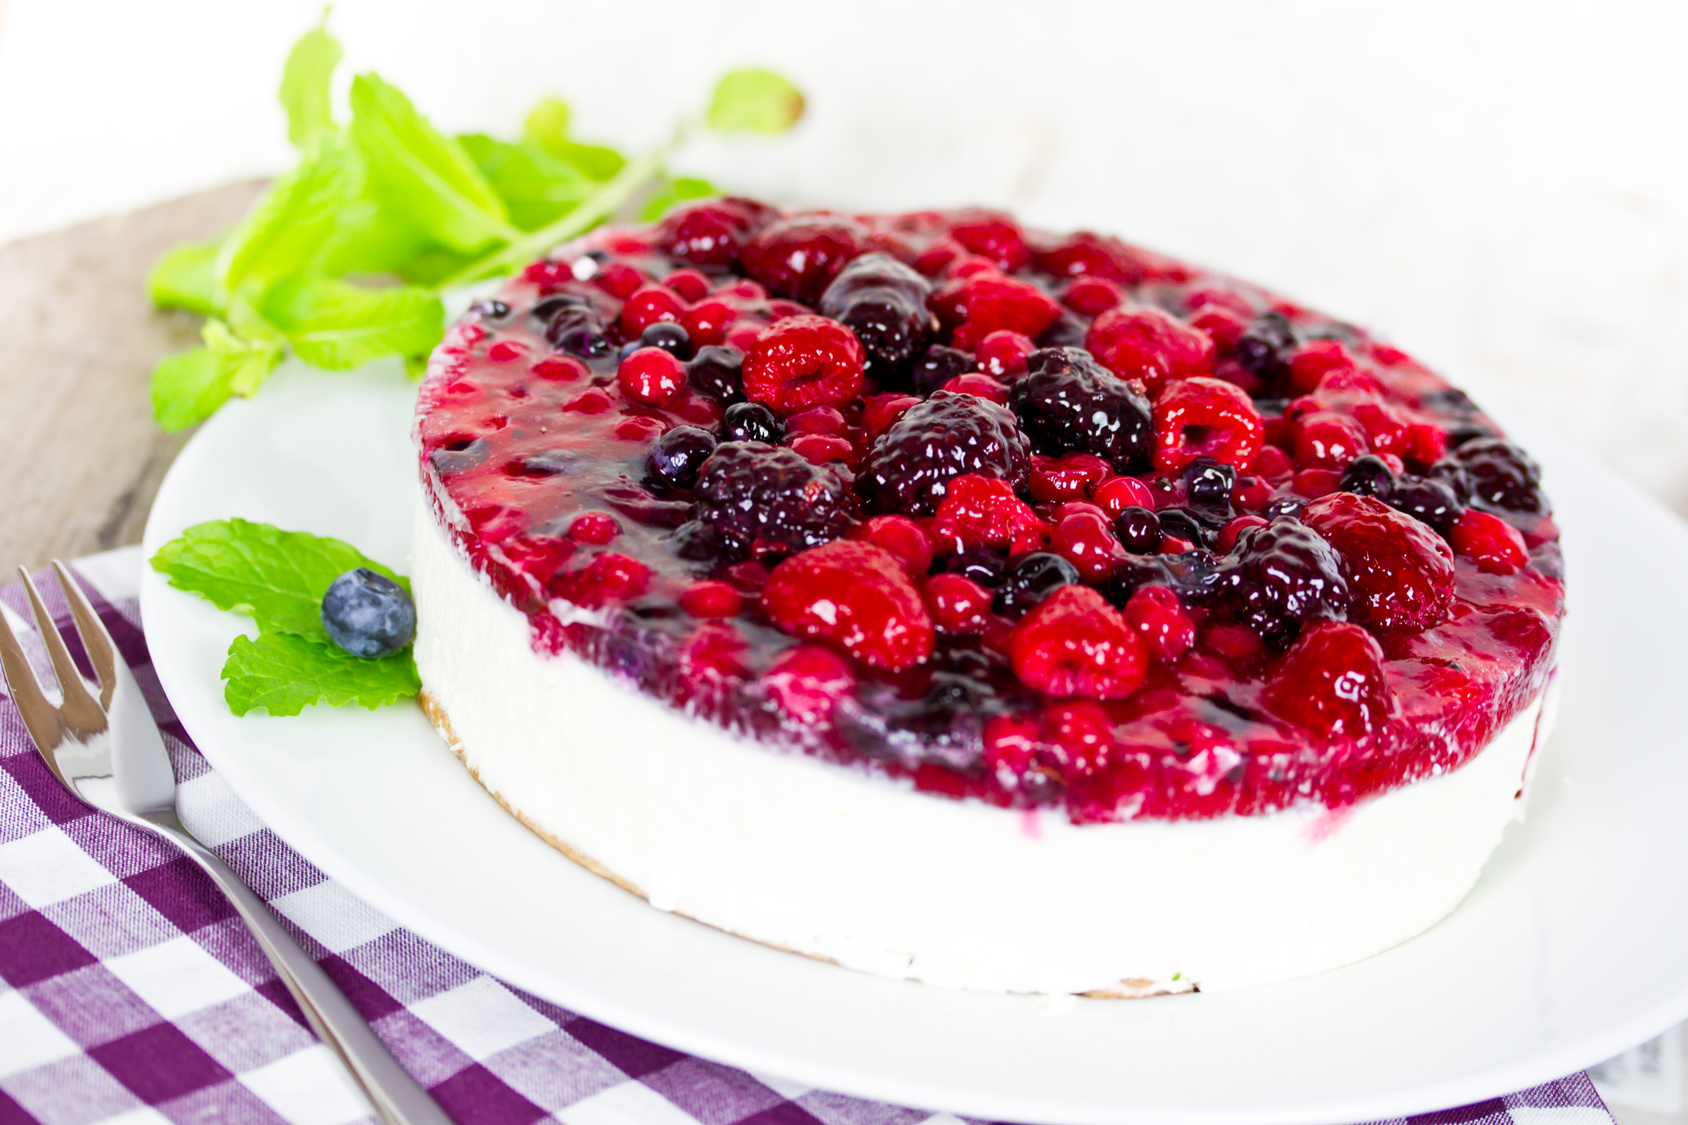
1502	475
950	434
675	458
573	324
938	366
751	421
763	500
1139	530
718	371
884	303
1280	576
1368	476
1428	501
1032	579
1069	403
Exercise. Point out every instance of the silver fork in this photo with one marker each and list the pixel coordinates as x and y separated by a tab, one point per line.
107	751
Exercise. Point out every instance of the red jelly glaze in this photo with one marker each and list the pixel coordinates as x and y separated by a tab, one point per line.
534	456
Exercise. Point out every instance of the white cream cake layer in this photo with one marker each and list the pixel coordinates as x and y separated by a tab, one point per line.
840	864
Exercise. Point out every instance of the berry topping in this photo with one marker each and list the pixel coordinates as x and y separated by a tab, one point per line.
1281	576
676	456
1401	573
1502	476
802	361
1077	645
1490	542
856	596
909	466
368	614
1332	683
1150	346
760	500
884	303
799	257
1067	403
650	376
1206	418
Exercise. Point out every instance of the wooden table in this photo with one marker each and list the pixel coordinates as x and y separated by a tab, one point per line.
78	341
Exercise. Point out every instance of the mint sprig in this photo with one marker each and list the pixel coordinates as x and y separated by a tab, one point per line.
388	198
278	579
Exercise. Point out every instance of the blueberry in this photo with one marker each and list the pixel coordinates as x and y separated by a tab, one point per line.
367	614
1033	579
1368	476
718	371
490	308
676	456
1139	530
1208	482
670	337
626	350
696	542
981	565
751	421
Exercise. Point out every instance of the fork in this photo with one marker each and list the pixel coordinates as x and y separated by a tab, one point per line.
108	753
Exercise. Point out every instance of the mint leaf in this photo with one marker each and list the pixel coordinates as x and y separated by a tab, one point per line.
422	175
188	387
537	188
674	192
754	100
304	84
548	123
186	278
284	673
286	229
277	577
337	326
547	126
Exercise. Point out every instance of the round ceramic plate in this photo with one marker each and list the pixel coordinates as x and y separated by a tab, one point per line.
1572	948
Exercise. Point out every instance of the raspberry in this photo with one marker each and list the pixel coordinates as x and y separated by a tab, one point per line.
884	303
1206	418
879	411
980	384
647	306
1332	683
807	681
760	500
1326	440
798	257
1502	475
1078	740
1401	573
902	537
1093	255
1072	477
1076	644
1490	542
1281	576
983	511
1003	354
1085	540
1067	403
1221	325
856	596
989	302
1312	361
817	420
802	361
711	233
993	235
1156	613
958	605
911	464
709	598
1149	345
690	284
1092	296
650	376
1235	526
823	449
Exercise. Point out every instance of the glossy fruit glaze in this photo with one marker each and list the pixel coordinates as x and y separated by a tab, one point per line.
1041	520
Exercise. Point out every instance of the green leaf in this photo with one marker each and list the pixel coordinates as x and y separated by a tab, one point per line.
284	673
422	175
335	325
536	187
548	123
547	126
754	100
186	278
674	192
188	387
287	228
277	577
304	84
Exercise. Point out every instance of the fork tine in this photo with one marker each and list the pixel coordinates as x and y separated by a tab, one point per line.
80	713
40	717
95	638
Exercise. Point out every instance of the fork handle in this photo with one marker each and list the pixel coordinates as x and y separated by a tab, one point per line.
396	1096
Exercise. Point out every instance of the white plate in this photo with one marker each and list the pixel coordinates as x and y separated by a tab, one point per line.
1573	947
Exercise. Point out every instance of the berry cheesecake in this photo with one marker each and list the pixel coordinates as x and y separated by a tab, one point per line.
976	605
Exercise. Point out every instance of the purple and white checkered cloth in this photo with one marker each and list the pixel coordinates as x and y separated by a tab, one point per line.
130	992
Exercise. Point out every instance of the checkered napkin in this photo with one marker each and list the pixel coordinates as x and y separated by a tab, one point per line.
129	991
